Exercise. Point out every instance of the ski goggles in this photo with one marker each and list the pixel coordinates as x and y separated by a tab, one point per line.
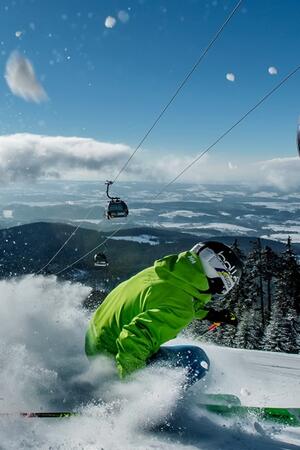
215	267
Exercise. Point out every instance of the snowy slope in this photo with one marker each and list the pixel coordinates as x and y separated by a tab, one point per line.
43	367
257	378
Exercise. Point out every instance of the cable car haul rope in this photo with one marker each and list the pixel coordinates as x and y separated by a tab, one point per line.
122	207
117	208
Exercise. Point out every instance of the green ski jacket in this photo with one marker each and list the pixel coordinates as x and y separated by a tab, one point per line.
150	308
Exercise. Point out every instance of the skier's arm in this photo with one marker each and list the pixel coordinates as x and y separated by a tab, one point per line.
143	336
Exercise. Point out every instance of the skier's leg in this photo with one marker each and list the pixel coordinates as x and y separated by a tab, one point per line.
190	357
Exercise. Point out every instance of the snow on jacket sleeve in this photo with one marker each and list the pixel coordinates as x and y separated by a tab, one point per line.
143	336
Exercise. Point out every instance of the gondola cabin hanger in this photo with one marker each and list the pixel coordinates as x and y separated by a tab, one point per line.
116	207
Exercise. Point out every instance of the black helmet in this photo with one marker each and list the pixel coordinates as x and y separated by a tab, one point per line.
222	266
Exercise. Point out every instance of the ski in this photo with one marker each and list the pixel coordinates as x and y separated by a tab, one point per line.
226	405
286	416
230	405
38	414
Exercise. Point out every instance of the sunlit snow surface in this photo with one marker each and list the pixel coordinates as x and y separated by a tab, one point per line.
142	239
43	367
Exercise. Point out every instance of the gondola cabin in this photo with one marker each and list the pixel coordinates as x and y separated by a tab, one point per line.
100	260
116	208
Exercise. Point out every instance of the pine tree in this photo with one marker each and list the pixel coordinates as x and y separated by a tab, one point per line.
297	328
238	301
271	322
254	275
280	335
227	335
236	248
270	270
291	274
249	332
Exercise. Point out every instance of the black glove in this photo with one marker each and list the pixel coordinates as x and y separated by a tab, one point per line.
224	316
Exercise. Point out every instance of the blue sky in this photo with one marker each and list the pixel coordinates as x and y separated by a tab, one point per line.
109	84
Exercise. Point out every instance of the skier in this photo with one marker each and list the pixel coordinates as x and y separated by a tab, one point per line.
153	306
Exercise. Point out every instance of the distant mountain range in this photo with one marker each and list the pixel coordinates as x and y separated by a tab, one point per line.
28	248
206	210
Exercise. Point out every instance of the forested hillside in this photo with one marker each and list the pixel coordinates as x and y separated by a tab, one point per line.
266	302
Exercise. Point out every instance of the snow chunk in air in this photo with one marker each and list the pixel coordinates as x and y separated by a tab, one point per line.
230	77
272	70
110	22
21	79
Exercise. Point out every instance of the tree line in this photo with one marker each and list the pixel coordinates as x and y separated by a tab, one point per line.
266	303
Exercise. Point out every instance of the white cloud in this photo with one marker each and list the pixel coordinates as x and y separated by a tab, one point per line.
272	70
21	79
230	77
30	156
280	172
123	16
110	22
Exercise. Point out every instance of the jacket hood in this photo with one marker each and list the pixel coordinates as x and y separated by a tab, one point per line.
185	271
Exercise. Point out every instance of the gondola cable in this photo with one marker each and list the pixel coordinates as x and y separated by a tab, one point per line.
179	88
91	251
181	85
67	240
260	102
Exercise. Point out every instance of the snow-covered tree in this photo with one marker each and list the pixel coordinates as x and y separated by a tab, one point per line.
290	276
281	335
270	270
249	332
254	278
266	303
